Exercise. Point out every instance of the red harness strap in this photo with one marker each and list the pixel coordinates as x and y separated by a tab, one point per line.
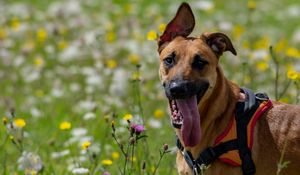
232	157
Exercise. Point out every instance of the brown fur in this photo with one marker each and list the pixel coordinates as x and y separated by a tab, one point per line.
279	124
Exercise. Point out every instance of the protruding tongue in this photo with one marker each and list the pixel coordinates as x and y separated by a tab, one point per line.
190	130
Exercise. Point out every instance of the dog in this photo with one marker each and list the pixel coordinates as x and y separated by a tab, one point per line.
202	101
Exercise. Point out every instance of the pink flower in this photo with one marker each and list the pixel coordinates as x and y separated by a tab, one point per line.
137	128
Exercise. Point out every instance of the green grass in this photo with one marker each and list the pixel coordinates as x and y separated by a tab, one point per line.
99	34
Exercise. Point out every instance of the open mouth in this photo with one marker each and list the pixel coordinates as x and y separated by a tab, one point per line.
185	114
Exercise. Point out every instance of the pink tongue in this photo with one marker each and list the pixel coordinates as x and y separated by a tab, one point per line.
190	130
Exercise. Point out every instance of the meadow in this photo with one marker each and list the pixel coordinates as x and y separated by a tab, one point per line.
79	86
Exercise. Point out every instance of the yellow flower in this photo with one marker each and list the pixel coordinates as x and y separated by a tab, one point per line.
65	125
115	155
262	43
246	44
262	65
251	4
38	61
128	8
15	24
136	76
39	93
111	36
28	45
293	52
134	59
158	114
85	145
293	75
4	120
106	162
3	34
30	171
162	27
280	46
20	123
127	117
41	34
238	31
151	35
62	45
111	63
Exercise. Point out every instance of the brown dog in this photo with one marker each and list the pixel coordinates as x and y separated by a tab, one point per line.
197	89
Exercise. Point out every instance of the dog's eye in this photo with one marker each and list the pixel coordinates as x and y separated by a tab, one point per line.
199	62
170	60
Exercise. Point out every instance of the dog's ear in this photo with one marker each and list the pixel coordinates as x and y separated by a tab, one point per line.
219	43
181	25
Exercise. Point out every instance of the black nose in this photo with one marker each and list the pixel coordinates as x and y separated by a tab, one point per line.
178	88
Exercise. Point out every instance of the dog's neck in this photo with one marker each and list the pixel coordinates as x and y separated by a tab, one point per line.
215	114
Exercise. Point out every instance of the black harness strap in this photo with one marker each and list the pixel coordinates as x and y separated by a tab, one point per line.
244	112
207	156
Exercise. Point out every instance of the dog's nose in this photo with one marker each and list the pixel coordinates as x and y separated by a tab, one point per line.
177	88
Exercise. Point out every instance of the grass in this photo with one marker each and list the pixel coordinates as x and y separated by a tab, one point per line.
89	63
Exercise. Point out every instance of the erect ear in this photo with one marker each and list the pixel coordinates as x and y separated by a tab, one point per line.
181	25
219	43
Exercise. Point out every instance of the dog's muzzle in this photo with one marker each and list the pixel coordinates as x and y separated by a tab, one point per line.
181	89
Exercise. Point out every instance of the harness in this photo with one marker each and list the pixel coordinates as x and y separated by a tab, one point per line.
234	145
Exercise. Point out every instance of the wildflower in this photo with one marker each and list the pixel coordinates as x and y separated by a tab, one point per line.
262	66
128	8
106	162
127	117
89	115
65	125
115	155
251	4
3	34
162	27
111	63
60	154
166	147
38	61
137	128
280	46
158	113
41	34
62	45
15	24
292	74
20	123
39	93
30	172
85	145
80	171
136	76
262	43
238	31
293	52
106	173
134	59
154	123
111	36
151	35
30	162
4	120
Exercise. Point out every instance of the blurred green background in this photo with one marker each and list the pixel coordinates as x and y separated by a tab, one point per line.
68	68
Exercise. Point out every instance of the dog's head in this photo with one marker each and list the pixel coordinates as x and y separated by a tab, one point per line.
188	69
